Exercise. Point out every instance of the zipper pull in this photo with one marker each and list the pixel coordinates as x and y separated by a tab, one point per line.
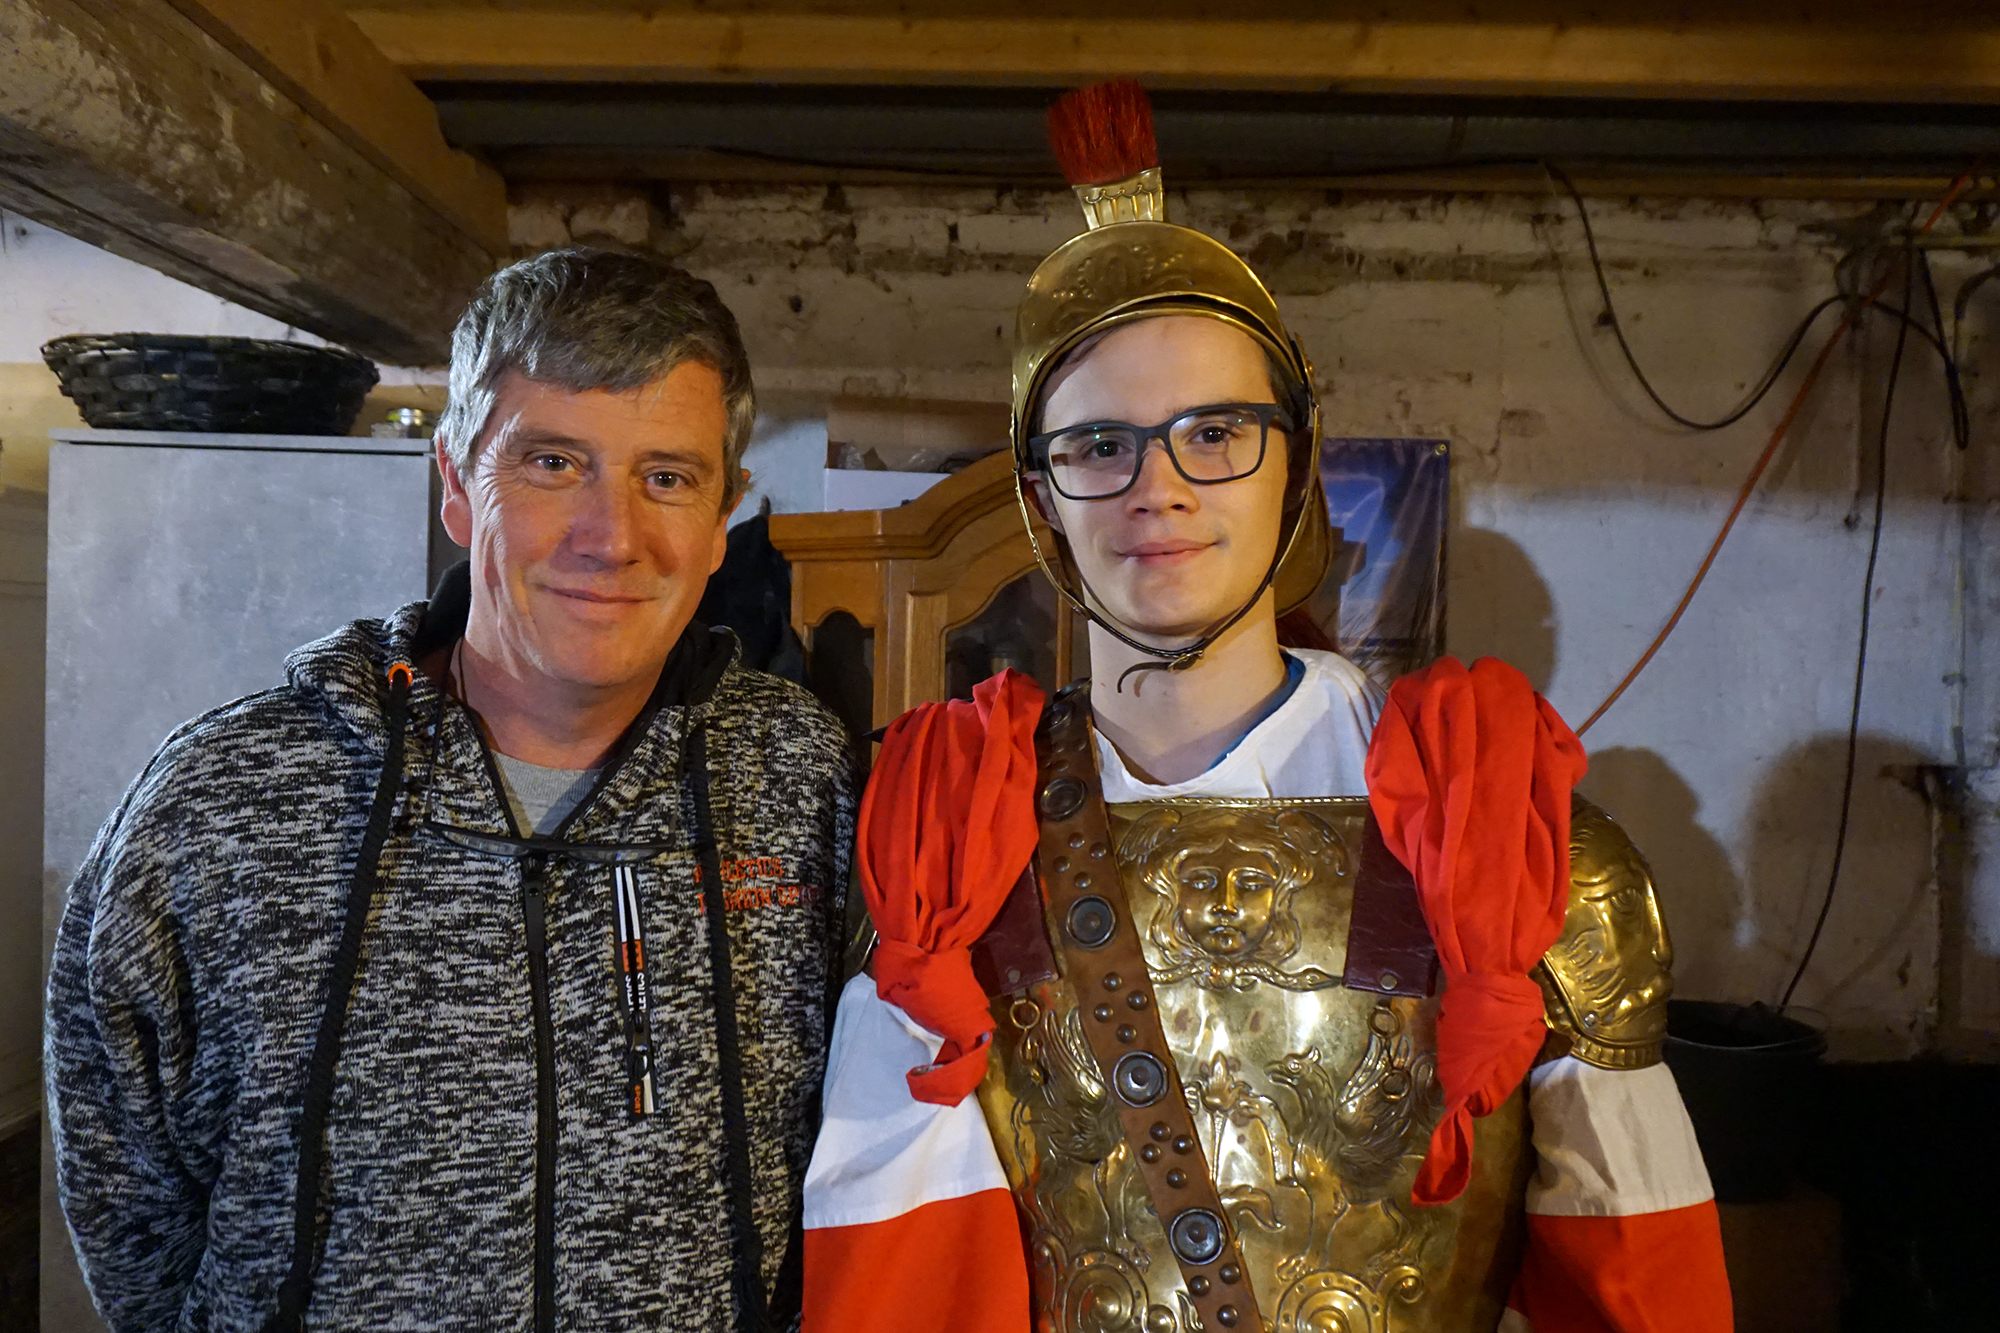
633	989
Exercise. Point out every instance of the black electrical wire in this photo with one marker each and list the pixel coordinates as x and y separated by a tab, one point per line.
1903	327
1936	336
1610	317
1961	415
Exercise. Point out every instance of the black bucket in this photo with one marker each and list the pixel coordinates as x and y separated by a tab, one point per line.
1749	1076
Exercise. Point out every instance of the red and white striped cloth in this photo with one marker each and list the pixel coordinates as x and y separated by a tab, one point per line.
910	1226
1622	1230
909	1221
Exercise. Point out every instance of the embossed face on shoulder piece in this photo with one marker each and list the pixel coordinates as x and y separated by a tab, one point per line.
1226	883
1614	954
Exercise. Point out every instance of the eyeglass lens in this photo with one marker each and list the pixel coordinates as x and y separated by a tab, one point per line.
1209	445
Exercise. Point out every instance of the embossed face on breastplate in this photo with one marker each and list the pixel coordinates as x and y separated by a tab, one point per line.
1226	908
1226	889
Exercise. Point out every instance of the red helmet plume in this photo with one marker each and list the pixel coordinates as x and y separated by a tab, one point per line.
1103	133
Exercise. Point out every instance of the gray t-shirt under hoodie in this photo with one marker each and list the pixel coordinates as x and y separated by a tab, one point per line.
542	798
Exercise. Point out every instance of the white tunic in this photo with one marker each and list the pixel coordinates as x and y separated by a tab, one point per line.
1313	744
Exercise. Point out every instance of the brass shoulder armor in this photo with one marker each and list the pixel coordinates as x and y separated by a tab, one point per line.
1607	977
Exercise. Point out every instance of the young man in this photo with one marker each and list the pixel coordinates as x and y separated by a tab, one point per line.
1216	1085
475	978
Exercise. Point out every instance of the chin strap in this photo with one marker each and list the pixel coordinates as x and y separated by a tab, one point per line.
1176	659
1176	664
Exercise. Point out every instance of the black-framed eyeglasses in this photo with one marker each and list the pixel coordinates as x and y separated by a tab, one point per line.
1098	460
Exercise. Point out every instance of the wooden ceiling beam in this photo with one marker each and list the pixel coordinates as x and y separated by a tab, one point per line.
124	123
533	169
312	51
1902	58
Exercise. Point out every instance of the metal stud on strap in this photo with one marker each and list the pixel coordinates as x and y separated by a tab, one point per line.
1062	798
1196	1235
1139	1078
1092	922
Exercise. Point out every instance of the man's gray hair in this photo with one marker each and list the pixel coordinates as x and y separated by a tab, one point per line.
582	318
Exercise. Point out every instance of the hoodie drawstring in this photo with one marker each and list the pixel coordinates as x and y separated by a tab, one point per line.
295	1292
747	1251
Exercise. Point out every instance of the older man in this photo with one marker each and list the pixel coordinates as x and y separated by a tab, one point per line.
358	1017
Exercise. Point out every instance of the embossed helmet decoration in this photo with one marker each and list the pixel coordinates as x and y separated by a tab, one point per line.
1133	264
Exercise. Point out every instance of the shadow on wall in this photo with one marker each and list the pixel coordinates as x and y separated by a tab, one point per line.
1496	604
1875	971
1698	888
1739	937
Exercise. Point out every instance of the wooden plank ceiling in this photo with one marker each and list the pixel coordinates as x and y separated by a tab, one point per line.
1842	51
1836	96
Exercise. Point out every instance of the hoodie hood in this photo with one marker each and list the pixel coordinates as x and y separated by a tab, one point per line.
348	668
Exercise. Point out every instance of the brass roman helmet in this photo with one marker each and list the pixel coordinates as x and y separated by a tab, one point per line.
1130	265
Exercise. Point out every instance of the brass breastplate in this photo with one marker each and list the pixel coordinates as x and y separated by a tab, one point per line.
1314	1102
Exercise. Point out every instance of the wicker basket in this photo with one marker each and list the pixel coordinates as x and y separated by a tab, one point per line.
159	381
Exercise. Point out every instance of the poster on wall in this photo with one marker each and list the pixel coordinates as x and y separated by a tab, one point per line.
1383	600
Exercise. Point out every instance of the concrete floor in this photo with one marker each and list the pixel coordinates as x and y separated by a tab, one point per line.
1908	1150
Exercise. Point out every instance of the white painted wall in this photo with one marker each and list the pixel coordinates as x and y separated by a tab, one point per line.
1576	514
58	285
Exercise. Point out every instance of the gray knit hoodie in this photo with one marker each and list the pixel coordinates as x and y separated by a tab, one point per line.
192	970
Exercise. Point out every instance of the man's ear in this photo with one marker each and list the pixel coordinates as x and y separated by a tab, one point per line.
742	493
456	511
1039	495
720	548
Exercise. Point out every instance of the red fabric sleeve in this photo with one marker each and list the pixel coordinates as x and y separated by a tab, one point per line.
947	825
955	1266
1469	775
1645	1273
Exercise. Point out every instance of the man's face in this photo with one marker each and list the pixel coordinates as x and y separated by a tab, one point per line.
1168	558
595	519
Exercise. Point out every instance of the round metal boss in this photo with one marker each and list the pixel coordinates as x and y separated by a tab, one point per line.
1062	798
1139	1078
1092	921
1196	1236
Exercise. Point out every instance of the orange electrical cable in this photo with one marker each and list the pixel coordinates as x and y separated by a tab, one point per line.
1847	322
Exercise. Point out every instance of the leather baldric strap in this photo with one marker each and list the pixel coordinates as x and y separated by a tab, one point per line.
1389	947
1102	959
